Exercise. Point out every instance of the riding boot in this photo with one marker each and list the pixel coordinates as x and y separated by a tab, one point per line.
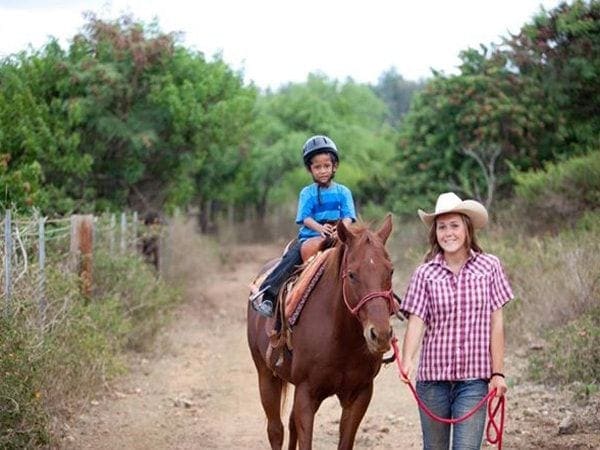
270	287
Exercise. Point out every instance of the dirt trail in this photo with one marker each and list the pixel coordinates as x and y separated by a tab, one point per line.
198	390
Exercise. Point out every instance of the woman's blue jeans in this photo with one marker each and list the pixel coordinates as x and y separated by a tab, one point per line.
452	399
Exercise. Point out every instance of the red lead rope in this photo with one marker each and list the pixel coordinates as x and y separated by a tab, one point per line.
492	409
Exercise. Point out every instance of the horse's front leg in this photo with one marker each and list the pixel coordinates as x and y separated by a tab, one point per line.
354	407
304	410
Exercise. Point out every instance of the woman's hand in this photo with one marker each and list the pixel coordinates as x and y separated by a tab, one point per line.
499	383
406	371
412	340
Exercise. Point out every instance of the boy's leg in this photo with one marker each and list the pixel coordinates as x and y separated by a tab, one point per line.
270	287
286	266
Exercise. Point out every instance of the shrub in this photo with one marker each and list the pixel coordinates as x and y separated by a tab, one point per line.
571	353
144	299
557	196
47	370
23	420
554	278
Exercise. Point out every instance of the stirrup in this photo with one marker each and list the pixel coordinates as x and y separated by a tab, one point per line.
256	295
265	308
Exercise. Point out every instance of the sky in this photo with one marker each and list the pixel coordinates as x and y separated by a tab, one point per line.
274	42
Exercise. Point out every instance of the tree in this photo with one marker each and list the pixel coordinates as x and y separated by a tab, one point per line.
465	132
560	51
125	118
40	161
397	94
349	113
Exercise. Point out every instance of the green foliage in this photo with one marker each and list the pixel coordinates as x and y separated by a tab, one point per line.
23	420
46	371
164	124
397	93
127	117
518	105
571	353
561	193
560	52
124	118
349	113
37	142
462	129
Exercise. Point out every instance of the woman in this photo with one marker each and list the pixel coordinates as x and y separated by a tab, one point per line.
454	303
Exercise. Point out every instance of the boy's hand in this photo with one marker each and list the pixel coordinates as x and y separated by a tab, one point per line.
327	230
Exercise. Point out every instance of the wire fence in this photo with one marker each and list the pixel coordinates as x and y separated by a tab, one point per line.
31	246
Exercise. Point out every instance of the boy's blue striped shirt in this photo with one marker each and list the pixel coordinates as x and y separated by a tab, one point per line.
323	205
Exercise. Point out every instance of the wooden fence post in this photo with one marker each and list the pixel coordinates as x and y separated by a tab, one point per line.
82	245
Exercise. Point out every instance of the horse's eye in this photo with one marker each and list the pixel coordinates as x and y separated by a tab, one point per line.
352	276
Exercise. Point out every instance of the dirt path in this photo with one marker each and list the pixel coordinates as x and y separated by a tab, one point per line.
198	388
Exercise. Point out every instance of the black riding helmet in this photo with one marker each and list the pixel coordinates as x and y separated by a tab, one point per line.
318	144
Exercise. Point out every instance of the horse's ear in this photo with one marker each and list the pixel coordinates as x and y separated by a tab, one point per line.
343	233
386	228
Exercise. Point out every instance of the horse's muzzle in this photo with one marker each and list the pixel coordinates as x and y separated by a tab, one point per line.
378	340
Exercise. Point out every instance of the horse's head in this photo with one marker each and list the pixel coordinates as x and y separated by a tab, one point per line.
367	281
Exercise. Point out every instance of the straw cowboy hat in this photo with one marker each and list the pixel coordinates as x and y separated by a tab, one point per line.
449	202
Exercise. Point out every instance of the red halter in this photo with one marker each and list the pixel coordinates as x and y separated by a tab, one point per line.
386	295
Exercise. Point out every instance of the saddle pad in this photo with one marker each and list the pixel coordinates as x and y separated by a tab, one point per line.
255	284
299	292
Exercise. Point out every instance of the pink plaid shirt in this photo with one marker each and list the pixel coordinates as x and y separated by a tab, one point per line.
457	313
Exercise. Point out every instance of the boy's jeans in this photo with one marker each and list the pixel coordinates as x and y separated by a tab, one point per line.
286	266
452	399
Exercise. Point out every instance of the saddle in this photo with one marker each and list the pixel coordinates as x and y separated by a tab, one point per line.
293	295
301	282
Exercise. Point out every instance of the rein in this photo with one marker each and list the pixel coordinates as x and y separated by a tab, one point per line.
491	409
386	295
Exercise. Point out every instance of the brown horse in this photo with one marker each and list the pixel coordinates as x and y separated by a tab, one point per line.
338	342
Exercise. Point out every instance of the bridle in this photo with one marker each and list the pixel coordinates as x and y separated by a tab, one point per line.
388	295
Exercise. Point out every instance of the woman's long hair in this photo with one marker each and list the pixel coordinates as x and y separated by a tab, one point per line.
470	238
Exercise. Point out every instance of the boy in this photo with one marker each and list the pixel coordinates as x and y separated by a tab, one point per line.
320	205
